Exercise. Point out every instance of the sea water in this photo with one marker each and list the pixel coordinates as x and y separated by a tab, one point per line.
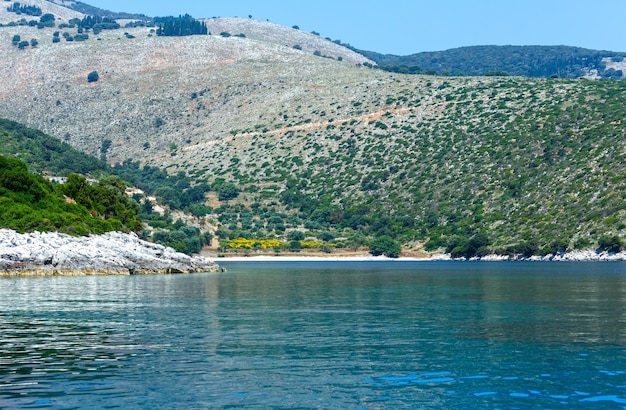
344	335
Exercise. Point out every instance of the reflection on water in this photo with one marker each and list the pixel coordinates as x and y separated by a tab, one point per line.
338	335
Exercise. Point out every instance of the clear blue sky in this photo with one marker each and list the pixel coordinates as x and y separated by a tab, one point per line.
409	26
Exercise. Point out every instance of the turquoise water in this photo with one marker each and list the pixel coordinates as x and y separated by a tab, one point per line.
320	335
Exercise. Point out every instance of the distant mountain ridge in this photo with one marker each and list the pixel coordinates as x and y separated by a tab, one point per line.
526	61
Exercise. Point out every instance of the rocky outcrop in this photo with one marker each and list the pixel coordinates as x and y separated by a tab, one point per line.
587	255
114	253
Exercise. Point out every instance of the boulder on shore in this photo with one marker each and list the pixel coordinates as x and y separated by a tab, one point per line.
113	253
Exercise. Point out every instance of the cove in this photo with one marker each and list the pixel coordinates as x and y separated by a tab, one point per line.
364	335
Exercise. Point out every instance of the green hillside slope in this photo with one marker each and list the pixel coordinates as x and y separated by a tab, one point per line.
29	202
43	153
517	166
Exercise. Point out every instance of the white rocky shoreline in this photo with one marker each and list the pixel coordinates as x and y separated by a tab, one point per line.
113	253
586	255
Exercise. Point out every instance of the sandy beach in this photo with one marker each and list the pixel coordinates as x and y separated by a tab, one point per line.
361	258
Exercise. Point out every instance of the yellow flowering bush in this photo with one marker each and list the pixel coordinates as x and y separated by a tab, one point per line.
243	243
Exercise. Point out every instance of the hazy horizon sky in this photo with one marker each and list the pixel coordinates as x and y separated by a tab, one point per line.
405	27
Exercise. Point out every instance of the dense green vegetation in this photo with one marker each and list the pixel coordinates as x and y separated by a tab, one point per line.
180	26
528	61
18	8
175	191
29	202
95	23
181	237
44	153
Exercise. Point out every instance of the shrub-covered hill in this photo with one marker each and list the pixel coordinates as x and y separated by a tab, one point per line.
29	202
512	166
529	61
43	153
32	203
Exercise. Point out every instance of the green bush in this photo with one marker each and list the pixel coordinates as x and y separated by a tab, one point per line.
29	202
227	191
295	246
92	77
385	245
612	244
295	236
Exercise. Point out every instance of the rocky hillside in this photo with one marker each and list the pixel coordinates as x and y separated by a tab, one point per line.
287	36
514	165
145	94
